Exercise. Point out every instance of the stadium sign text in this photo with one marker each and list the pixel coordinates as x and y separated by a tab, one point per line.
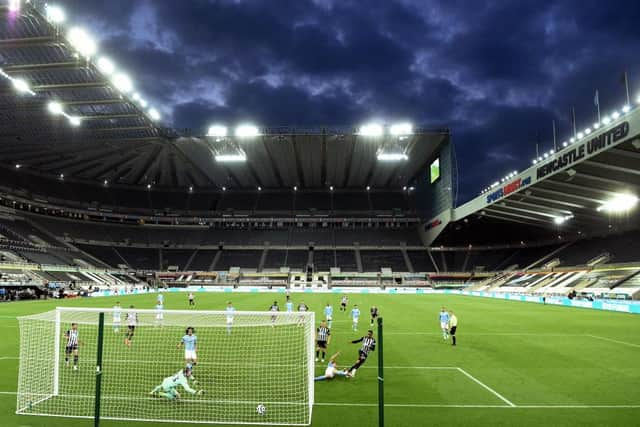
589	147
511	187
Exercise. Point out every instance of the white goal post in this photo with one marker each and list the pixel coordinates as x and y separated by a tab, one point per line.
244	360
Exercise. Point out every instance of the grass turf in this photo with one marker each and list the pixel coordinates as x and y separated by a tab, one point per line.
556	365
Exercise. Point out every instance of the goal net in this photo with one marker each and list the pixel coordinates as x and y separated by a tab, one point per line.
254	367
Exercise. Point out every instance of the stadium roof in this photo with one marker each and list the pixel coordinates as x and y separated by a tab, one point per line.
95	130
588	186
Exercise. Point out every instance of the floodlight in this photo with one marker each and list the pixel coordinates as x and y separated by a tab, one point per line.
515	173
615	115
247	131
404	188
82	41
626	109
587	131
122	82
154	114
61	176
191	189
143	103
14	5
558	220
400	129
55	108
21	85
580	135
619	203
331	188
217	131
75	120
596	125
106	182
572	140
55	14
534	161
295	188
371	129
638	100
368	188
136	97
106	66
564	144
546	155
412	188
224	188
392	157
18	166
259	188
231	158
606	120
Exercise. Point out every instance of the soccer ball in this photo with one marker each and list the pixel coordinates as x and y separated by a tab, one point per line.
261	410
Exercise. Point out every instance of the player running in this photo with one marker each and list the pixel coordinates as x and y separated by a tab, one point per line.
190	343
169	385
355	317
132	321
444	323
344	302
332	370
73	341
328	314
368	345
323	337
192	300
117	317
374	314
274	309
230	310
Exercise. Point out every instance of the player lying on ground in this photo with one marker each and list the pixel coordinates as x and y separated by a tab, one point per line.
368	345
169	385
332	370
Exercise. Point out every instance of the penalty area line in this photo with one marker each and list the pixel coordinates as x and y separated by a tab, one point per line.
486	387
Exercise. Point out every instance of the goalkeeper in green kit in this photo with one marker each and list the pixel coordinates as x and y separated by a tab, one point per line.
169	385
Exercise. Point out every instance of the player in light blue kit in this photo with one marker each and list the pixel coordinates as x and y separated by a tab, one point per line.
355	316
332	370
230	310
328	314
190	343
289	305
444	323
170	384
160	299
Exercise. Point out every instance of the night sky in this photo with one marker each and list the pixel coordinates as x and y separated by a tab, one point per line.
495	72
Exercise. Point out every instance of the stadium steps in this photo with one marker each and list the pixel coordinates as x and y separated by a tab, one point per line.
120	256
407	260
433	261
190	260
215	260
263	259
547	281
358	259
588	281
632	278
549	255
499	281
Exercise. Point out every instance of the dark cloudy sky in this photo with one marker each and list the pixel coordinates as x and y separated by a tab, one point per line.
496	72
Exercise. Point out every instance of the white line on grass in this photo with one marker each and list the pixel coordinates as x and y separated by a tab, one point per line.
495	393
612	340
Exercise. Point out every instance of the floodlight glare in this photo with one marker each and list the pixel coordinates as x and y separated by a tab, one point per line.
143	103
580	135
55	108
154	114
82	41
231	158
14	5
295	188
572	140
606	120
331	188
217	131
368	187
615	115
562	219
75	120
534	161
106	66
247	131
122	82
400	129
392	157
620	203
596	125
55	14
626	109
546	155
638	100
20	85
564	144
587	131
371	129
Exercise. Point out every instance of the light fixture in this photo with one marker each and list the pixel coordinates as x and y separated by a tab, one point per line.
106	183
404	188
392	157
21	86
224	188
615	115
122	82
55	108
331	188
580	135
371	129
638	100
412	188
295	188
55	14
564	144
14	5
82	42
74	120
619	203
154	114
546	155
259	188
218	131
143	103
534	161
606	120
18	166
247	131
61	176
562	219
587	131
191	189
626	108
596	125
552	151
401	129
148	186
572	140
231	158
105	65
368	188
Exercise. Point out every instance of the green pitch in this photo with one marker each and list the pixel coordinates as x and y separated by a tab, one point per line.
515	363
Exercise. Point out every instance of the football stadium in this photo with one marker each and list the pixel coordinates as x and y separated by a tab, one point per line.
320	276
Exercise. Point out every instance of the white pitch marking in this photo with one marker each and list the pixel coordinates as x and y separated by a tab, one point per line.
612	340
495	393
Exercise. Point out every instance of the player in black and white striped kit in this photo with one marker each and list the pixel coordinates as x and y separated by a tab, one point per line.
368	345
73	340
323	336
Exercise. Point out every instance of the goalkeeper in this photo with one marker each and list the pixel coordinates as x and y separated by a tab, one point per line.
169	385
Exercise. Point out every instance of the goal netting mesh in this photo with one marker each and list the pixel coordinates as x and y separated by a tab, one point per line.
244	361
